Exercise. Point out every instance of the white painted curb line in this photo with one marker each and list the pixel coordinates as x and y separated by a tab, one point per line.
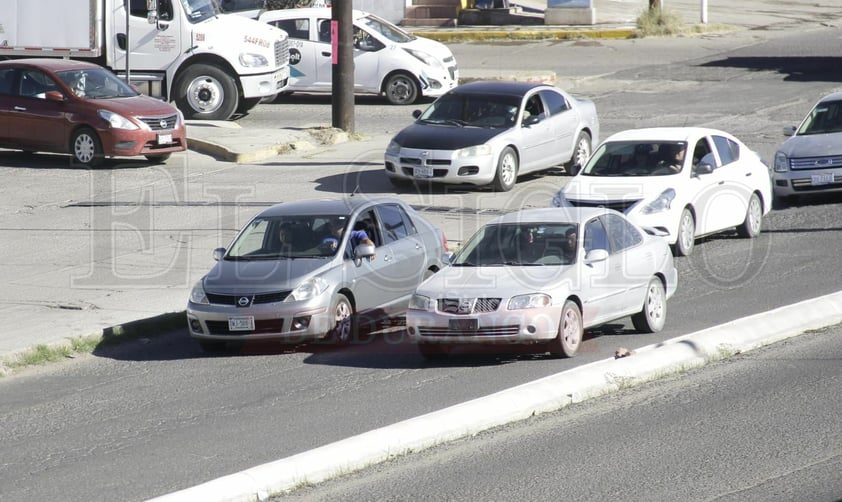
517	403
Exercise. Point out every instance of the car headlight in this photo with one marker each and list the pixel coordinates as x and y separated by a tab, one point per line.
421	302
422	56
530	301
250	60
473	151
117	121
559	200
781	162
394	148
198	294
661	203
307	290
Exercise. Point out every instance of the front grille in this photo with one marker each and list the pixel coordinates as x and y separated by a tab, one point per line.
160	123
476	305
617	205
437	173
282	52
415	161
493	331
260	327
830	162
806	185
232	300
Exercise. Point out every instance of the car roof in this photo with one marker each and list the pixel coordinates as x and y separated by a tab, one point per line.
51	64
664	134
346	205
497	87
552	214
272	15
834	96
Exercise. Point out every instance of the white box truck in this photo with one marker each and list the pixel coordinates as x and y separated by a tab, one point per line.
212	65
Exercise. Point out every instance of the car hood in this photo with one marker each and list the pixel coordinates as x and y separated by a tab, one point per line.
596	188
432	47
443	137
498	281
136	106
241	277
819	145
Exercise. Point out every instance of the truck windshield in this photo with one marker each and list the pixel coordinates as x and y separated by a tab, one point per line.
199	10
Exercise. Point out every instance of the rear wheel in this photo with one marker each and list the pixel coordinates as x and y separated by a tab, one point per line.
581	154
570	331
754	218
686	234
401	89
86	147
652	317
507	168
345	322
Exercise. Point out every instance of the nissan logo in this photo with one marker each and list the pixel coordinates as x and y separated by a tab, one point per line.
163	124
243	301
465	305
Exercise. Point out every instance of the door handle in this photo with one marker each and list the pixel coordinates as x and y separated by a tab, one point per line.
20	109
326	54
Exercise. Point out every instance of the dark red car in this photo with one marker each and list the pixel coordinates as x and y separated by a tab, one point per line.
65	106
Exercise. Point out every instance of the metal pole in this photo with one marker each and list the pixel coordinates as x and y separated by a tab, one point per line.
128	43
704	11
342	71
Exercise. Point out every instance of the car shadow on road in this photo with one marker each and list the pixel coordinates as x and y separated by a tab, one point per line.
30	160
796	68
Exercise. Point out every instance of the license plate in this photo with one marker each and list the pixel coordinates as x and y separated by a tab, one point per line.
822	179
241	323
462	324
422	172
164	139
281	74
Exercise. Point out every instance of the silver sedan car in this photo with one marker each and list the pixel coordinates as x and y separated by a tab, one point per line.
810	161
484	133
303	271
541	276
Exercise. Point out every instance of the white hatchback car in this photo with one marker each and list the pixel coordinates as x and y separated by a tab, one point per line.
686	181
387	60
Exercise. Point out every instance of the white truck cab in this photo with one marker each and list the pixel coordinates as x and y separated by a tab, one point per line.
387	59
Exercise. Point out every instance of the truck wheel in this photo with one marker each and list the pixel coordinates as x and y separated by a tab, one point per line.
401	89
86	147
246	105
206	92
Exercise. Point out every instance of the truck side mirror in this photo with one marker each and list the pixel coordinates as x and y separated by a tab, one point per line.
151	11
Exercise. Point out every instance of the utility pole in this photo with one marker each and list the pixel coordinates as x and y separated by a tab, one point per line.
342	71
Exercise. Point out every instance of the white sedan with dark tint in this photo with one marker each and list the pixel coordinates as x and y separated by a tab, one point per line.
542	276
488	133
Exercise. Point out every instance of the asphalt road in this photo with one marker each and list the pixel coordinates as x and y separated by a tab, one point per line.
155	416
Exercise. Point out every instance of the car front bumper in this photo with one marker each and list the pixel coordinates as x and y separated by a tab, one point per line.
440	166
142	142
525	326
806	181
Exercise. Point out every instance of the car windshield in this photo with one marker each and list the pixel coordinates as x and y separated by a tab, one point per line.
520	244
199	10
95	83
289	237
637	158
385	28
476	110
826	117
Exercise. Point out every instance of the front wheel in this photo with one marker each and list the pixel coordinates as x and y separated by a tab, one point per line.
686	234
206	92
86	147
570	331
246	104
344	320
750	228
507	168
653	315
581	154
401	89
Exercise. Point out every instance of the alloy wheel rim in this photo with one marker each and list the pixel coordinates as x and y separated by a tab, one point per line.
84	148
507	173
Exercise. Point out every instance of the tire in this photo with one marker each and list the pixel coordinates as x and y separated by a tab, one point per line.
158	159
432	351
345	321
206	92
581	153
653	315
401	89
86	147
686	234
247	104
750	228
570	331
507	168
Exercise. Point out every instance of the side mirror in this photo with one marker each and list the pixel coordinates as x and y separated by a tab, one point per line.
531	120
54	96
152	17
703	168
416	114
596	255
363	251
218	253
789	131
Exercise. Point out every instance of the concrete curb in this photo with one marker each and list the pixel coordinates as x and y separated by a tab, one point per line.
296	140
518	403
467	35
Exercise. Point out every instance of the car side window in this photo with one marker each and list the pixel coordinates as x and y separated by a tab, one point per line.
621	234
595	236
393	223
365	42
36	84
7	80
324	30
367	222
295	28
534	107
728	150
555	102
701	149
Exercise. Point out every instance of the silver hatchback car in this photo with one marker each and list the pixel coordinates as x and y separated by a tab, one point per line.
303	271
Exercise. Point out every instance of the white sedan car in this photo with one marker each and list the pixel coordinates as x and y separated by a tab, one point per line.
541	276
483	133
686	181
